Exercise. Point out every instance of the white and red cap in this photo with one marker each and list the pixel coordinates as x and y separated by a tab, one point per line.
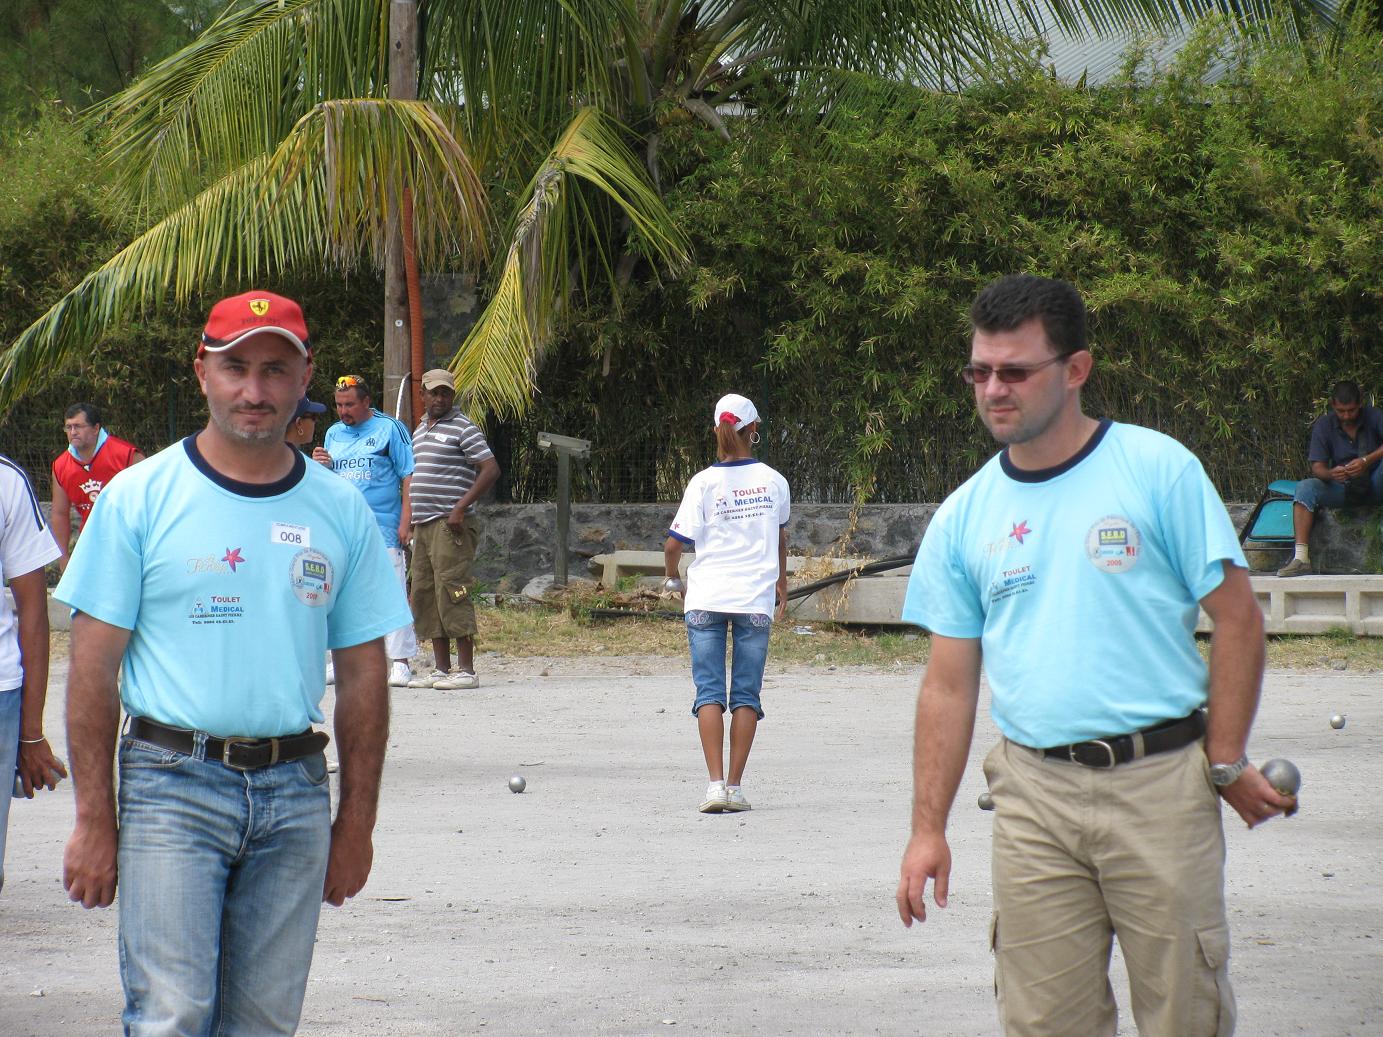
233	320
736	409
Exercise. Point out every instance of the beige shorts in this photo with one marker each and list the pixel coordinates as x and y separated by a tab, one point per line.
1084	855
443	564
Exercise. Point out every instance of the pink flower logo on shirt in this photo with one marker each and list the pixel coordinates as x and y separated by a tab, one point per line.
1020	530
233	558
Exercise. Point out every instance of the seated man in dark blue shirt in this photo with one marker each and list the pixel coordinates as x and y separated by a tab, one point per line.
1346	446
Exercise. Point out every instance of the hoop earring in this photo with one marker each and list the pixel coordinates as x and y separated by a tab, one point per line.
754	437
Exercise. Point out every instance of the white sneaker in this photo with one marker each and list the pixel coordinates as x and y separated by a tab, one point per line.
399	674
427	680
458	680
717	800
331	673
734	799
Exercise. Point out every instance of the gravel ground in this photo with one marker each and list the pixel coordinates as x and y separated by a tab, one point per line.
601	902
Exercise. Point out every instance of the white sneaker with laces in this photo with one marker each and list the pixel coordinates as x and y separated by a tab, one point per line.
734	799
427	680
458	680
716	799
399	674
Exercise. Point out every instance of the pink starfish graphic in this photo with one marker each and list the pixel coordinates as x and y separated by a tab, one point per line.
233	557
1020	530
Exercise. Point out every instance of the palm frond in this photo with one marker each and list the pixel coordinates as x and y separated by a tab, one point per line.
319	199
234	93
518	67
497	361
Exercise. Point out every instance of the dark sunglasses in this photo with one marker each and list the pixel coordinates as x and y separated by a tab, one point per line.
976	374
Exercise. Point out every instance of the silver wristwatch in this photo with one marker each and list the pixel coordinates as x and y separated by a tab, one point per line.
1222	774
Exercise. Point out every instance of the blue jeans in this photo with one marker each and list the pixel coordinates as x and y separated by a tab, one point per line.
1317	493
707	634
9	759
221	875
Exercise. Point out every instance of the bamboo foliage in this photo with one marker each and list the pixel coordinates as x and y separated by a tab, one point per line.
321	194
268	143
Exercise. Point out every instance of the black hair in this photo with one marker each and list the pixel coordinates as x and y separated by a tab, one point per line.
1346	393
87	410
1014	300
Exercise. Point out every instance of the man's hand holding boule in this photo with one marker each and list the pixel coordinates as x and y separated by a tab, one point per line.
1255	800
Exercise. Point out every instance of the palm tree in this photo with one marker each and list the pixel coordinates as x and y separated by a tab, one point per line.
273	142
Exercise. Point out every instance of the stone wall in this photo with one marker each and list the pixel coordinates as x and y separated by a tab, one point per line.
517	540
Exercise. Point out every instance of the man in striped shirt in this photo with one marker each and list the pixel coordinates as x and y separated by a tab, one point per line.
453	470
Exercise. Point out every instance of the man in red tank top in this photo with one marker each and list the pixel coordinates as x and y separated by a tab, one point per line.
92	459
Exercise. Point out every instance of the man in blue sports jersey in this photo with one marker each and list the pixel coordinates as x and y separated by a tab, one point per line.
210	580
374	453
1072	565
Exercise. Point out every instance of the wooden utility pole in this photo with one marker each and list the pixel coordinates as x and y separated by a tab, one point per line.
403	85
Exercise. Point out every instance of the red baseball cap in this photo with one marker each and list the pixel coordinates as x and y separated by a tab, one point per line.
235	319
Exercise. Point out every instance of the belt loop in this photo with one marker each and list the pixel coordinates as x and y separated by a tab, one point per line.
199	745
1138	750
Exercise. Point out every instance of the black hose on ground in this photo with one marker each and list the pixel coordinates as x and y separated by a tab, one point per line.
868	569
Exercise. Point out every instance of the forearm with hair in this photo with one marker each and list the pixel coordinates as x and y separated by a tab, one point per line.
93	715
361	725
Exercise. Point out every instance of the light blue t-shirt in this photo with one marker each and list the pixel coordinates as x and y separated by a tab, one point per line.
1083	584
374	456
233	592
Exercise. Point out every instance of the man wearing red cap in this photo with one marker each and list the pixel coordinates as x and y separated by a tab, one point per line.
210	579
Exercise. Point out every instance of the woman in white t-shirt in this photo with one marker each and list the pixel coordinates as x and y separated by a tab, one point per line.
735	513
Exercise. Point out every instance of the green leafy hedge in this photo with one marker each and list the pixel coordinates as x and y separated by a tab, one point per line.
1228	239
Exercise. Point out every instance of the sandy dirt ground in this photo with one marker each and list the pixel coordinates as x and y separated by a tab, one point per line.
600	902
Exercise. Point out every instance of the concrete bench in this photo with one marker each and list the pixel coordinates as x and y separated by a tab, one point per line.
1299	605
616	565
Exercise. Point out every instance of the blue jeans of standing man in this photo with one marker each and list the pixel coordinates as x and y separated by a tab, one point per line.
707	633
9	758
221	875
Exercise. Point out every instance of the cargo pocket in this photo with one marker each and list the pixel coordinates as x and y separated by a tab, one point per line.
1214	1007
458	594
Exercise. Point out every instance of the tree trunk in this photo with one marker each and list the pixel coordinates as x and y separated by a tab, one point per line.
403	85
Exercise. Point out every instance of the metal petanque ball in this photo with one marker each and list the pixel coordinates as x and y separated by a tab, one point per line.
517	783
986	801
1282	775
1337	721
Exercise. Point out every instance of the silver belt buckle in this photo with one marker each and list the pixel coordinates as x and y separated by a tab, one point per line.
1113	760
230	743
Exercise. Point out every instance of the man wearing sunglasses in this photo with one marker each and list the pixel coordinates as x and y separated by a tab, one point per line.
374	453
1074	564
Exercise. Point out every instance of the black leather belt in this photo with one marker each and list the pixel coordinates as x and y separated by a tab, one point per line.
1110	752
243	754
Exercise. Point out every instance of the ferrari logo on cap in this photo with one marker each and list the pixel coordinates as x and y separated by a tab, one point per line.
259	307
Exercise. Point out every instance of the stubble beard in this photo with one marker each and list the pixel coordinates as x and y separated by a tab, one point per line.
225	423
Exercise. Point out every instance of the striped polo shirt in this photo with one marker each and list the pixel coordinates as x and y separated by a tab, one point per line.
446	454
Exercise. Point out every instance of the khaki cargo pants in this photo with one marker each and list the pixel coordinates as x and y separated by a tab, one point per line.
442	574
1082	855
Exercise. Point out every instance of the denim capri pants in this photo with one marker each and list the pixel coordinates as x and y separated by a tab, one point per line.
707	635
